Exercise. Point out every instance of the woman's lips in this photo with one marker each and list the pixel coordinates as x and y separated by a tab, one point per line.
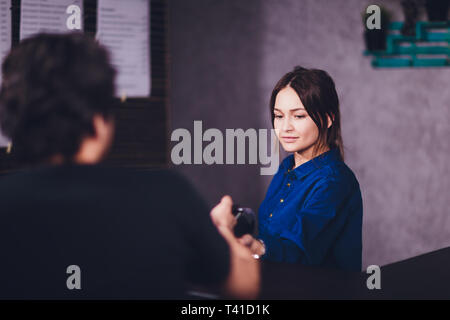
289	139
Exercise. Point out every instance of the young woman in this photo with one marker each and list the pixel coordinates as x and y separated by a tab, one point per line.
312	212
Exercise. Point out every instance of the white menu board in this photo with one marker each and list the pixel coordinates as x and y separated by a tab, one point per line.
5	42
52	16
124	28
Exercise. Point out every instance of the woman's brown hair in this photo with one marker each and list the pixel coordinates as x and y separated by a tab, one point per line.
317	93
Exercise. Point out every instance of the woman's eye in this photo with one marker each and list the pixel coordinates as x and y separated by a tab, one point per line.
278	116
299	117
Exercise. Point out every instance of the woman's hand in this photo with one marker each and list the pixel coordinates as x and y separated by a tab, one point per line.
221	214
255	246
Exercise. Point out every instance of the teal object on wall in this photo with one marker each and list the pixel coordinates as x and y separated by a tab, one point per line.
432	40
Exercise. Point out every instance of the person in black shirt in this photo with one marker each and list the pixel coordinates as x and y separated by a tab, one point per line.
73	229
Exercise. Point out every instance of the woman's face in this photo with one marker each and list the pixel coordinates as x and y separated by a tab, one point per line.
295	129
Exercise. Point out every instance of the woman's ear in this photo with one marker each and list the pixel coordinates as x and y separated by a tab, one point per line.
104	131
330	122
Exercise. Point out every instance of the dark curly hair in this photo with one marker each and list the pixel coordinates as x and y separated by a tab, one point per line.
52	87
317	93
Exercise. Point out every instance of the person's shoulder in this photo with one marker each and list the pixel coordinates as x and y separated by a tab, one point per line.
163	176
94	176
338	174
19	179
91	175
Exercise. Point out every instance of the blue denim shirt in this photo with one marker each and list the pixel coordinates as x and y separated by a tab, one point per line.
313	214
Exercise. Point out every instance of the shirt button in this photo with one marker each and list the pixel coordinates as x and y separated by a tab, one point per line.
288	184
281	200
270	215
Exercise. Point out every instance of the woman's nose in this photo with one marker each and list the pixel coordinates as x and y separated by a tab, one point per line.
287	124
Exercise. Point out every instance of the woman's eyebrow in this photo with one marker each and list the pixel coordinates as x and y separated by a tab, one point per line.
296	109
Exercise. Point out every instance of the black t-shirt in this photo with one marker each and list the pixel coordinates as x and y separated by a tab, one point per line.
133	234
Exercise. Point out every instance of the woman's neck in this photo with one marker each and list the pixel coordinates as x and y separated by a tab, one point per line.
300	157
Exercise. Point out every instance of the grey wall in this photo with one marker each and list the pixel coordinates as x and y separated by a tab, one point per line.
226	57
215	77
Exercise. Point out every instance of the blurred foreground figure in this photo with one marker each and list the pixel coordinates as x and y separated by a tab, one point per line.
72	229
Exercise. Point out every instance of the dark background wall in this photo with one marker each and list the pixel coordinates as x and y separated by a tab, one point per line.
215	77
226	56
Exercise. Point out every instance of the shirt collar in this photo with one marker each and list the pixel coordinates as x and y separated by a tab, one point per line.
309	166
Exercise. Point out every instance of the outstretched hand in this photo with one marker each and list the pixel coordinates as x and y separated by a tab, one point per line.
221	214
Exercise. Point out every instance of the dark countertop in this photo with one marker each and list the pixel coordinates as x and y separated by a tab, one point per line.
423	277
